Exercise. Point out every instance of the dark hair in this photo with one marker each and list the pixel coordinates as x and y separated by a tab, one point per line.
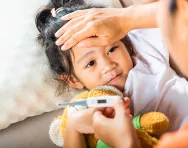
60	61
173	6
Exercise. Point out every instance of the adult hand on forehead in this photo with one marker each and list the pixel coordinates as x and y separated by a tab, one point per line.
94	27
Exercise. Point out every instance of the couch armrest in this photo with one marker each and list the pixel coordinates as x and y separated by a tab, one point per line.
30	133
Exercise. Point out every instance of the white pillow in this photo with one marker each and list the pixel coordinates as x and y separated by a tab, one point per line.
26	84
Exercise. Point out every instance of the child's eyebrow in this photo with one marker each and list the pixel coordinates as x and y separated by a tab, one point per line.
84	56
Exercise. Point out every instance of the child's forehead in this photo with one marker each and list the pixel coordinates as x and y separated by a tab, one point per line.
80	50
79	53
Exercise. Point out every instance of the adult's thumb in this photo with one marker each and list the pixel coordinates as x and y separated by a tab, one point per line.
99	120
120	109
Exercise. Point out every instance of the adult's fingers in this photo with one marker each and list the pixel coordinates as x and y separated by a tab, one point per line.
70	32
120	109
77	37
99	121
74	14
68	25
93	42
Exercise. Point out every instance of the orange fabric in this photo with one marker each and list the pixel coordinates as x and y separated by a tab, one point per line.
178	139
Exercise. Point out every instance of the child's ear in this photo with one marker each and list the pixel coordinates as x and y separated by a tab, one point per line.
72	81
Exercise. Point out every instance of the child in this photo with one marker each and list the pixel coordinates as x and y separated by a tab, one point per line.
152	85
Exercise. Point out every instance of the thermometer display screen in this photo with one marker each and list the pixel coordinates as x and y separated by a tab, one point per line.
101	101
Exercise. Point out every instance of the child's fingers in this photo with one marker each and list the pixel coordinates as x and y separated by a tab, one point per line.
112	114
108	111
127	102
128	110
102	109
130	116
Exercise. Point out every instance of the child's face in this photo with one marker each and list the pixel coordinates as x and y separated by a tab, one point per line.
102	65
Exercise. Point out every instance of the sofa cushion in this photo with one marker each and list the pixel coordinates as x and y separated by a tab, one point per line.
26	84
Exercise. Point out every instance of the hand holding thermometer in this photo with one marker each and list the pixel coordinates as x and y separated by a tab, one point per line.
102	101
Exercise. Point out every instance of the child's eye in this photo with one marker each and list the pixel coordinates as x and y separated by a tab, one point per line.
91	63
112	50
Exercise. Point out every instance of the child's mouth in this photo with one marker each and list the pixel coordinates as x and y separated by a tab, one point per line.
114	78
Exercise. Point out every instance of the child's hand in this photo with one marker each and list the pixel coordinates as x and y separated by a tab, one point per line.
82	120
110	112
77	124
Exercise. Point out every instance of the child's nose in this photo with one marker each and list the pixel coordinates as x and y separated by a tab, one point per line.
108	66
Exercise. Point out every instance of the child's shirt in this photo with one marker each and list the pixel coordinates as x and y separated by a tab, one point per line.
152	85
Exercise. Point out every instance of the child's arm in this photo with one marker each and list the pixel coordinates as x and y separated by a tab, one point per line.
79	122
73	139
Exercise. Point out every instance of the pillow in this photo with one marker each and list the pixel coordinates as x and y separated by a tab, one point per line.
26	83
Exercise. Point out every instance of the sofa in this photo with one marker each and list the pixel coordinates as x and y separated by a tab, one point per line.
31	131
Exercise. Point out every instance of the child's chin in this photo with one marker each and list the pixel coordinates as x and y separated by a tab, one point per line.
121	88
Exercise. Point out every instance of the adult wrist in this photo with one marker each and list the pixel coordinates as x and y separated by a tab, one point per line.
139	16
126	19
130	141
127	144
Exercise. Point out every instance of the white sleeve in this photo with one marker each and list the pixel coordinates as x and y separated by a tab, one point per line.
149	44
173	101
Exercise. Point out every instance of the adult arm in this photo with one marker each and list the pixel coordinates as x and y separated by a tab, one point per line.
126	3
104	26
174	139
143	1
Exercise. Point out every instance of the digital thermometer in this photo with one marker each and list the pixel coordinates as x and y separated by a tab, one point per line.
102	101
